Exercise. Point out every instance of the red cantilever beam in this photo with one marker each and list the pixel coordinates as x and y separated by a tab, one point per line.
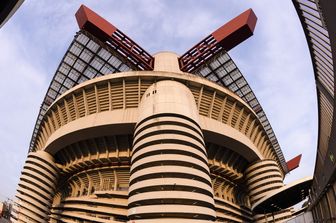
237	30
294	163
226	37
96	25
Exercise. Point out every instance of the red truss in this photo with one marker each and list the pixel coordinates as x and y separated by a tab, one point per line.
105	31
294	163
225	38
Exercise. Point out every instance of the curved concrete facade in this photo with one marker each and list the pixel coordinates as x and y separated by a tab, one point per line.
168	144
36	188
263	177
153	146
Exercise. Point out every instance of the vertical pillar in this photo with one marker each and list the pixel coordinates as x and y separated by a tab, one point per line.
170	179
36	188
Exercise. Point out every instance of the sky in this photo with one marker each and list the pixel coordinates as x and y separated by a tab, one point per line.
275	61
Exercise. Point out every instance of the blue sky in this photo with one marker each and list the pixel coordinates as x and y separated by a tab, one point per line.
275	61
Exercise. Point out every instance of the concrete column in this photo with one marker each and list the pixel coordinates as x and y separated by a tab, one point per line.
170	179
36	188
263	177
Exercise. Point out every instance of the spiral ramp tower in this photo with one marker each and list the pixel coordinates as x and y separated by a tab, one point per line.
141	138
36	187
262	178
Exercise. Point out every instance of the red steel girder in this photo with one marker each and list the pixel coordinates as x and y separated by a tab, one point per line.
225	38
294	163
93	23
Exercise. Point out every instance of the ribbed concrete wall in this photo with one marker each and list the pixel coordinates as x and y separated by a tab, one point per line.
36	188
169	155
148	147
262	177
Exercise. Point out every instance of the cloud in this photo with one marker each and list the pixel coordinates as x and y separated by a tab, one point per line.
21	92
276	63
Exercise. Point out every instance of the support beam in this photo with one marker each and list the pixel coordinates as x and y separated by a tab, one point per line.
225	38
93	23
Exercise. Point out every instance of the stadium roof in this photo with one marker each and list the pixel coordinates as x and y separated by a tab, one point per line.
284	197
7	9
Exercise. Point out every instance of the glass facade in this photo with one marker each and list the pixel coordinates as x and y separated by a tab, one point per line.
222	70
86	58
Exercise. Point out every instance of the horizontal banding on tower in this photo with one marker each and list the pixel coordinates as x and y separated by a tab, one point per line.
168	125
36	187
262	178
